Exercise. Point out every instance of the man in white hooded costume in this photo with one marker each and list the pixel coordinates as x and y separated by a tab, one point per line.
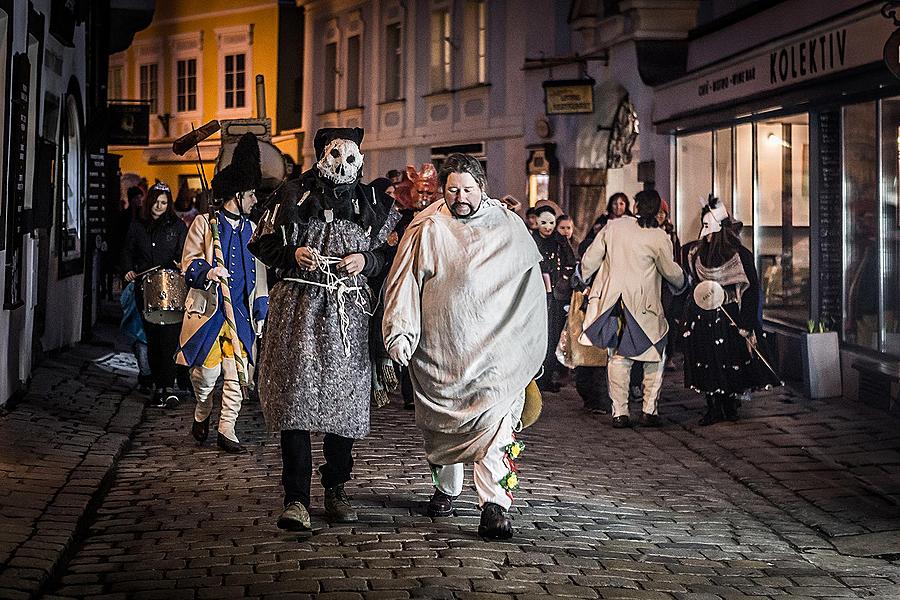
465	308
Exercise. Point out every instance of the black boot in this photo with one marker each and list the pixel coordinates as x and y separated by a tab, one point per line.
730	408
713	410
494	522
200	429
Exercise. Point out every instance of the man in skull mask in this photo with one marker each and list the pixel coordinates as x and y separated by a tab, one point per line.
465	309
207	342
314	372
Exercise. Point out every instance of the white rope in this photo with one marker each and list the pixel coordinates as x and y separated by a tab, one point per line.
340	287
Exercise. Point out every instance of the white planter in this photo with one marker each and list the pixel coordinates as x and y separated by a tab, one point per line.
822	365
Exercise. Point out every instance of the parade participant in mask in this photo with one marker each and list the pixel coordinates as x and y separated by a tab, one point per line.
209	345
718	359
625	313
156	239
416	191
465	308
314	371
557	266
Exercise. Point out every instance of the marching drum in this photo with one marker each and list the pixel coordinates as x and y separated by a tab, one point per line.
164	293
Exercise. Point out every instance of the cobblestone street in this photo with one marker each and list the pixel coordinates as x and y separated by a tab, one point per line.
797	500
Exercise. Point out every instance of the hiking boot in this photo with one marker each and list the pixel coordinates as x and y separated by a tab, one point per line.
337	506
440	505
294	517
494	524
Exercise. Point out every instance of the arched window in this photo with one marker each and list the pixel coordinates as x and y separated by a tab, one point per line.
72	183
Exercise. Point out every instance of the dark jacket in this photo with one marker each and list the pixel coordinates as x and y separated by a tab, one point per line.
324	202
558	262
152	244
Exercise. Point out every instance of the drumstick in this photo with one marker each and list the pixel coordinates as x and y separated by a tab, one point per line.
150	270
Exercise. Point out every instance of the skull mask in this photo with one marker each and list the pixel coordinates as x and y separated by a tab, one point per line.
341	163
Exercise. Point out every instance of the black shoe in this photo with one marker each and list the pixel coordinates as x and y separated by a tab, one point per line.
549	386
229	446
494	523
709	418
595	409
621	422
409	406
648	420
200	429
338	508
440	505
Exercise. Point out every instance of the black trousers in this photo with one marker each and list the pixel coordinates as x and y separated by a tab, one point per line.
296	463
162	343
590	382
556	322
406	389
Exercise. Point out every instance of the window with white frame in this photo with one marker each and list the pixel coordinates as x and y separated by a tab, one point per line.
186	85
235	81
330	66
393	68
354	64
235	64
116	82
186	79
475	34
329	96
148	86
441	50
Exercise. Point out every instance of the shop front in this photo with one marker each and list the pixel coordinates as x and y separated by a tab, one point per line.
800	137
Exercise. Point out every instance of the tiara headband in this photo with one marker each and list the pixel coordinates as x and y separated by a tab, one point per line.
159	185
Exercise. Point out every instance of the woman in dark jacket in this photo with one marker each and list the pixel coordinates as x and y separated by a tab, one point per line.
557	266
156	239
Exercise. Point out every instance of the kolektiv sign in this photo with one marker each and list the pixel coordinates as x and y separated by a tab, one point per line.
837	46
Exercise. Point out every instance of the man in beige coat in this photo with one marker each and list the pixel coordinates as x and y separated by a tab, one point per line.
631	257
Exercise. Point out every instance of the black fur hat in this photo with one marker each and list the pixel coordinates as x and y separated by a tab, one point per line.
243	173
325	135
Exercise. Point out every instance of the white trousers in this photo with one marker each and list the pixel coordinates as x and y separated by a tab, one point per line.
488	472
204	380
618	372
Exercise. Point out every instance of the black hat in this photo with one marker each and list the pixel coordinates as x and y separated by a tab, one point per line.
243	173
326	135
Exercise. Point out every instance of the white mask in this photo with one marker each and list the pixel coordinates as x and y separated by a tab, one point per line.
712	220
546	223
341	163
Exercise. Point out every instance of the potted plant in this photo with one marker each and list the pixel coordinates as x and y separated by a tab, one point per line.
821	361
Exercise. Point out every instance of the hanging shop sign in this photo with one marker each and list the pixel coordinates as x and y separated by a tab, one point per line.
569	96
129	124
835	47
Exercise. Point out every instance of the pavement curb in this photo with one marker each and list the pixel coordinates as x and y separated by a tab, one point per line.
36	563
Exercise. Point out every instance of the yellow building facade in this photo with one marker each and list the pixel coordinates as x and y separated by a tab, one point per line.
198	61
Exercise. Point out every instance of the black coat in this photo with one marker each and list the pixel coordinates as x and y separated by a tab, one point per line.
151	244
